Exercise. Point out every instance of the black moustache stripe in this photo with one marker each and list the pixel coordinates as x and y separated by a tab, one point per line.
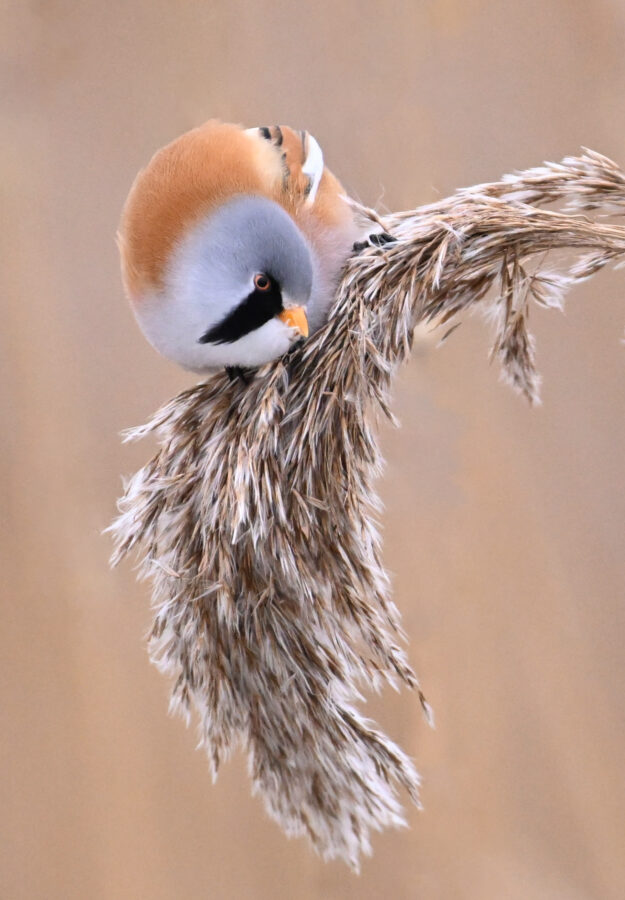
259	307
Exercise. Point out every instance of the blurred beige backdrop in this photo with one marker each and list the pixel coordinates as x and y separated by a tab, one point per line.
504	527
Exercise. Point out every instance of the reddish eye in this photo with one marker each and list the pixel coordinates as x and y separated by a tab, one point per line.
262	282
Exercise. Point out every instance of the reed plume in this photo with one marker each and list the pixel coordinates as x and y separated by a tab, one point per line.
256	520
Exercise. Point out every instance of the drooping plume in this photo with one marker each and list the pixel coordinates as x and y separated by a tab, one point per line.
256	519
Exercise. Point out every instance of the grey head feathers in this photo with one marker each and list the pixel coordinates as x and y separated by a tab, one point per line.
211	273
251	234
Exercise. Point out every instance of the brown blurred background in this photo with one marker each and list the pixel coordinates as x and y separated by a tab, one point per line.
504	527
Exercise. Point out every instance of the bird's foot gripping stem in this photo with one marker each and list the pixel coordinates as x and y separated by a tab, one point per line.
379	239
237	372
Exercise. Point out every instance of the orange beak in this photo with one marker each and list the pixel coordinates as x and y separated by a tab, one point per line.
295	317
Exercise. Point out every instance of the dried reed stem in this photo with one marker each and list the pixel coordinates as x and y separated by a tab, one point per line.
256	519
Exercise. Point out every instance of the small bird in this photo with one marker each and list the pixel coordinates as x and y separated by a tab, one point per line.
232	241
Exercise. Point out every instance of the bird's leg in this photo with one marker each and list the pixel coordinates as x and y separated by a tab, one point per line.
299	343
235	372
374	240
381	238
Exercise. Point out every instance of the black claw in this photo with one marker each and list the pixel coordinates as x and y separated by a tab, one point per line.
299	343
265	132
374	240
245	375
378	240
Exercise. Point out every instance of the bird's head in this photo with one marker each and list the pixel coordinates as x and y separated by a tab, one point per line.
217	273
235	290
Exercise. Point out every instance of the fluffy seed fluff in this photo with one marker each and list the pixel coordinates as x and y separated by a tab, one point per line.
256	518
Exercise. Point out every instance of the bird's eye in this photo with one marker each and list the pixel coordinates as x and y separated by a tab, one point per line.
262	282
